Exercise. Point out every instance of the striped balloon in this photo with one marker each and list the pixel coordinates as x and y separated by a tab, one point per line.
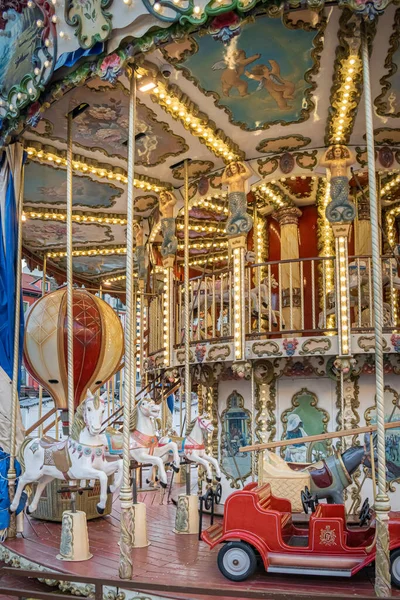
98	344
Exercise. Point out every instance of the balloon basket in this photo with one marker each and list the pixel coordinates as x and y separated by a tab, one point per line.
74	545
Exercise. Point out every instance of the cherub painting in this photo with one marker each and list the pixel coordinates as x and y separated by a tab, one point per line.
257	78
281	90
233	68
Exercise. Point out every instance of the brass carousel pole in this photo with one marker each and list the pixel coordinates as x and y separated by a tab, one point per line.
127	514
74	524
187	515
382	502
188	394
12	475
40	387
70	281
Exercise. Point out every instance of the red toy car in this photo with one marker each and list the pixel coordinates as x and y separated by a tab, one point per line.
255	522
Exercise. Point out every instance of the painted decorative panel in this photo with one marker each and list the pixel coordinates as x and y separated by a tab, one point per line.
103	127
96	265
304	418
257	78
236	432
49	234
47	185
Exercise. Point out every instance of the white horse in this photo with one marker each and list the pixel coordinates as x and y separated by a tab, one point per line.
80	457
192	446
145	446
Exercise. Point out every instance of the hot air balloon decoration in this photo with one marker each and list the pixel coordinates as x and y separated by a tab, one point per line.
98	344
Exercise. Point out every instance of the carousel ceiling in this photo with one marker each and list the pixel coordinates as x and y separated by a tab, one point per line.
271	91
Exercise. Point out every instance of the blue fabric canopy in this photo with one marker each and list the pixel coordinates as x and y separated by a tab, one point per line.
8	267
68	59
170	402
4	498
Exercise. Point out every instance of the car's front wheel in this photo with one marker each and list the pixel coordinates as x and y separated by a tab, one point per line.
395	567
237	561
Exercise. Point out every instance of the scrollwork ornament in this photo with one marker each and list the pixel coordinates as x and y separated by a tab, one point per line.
369	9
382	563
242	369
90	20
263	372
127	540
41	48
239	222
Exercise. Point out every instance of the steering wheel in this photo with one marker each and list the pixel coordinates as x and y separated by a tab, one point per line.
365	513
308	501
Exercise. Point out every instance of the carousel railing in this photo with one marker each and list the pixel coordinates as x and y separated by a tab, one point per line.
281	297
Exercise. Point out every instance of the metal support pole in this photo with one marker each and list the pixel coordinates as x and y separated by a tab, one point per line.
382	503
70	334
136	348
188	394
127	512
40	412
12	529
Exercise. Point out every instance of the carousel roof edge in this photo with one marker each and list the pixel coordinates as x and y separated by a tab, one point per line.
57	37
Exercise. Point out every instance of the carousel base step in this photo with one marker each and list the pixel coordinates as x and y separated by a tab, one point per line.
314	571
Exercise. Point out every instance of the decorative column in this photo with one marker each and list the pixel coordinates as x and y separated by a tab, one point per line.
382	502
238	225
168	252
264	427
127	525
340	213
289	280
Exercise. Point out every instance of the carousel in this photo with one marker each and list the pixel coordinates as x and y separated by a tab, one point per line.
213	190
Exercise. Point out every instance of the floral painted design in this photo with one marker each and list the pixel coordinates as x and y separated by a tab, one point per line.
111	69
34	114
200	352
395	339
290	346
225	27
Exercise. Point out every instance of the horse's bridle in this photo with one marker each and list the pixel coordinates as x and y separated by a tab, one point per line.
202	422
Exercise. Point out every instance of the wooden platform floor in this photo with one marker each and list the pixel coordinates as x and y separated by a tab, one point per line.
172	559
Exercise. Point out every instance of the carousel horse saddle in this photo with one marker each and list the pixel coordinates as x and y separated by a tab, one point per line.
115	441
56	454
179	441
321	475
47	442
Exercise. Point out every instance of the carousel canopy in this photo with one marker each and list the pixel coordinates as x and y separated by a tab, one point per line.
261	85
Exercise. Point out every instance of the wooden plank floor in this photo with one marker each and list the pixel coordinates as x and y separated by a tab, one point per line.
171	558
